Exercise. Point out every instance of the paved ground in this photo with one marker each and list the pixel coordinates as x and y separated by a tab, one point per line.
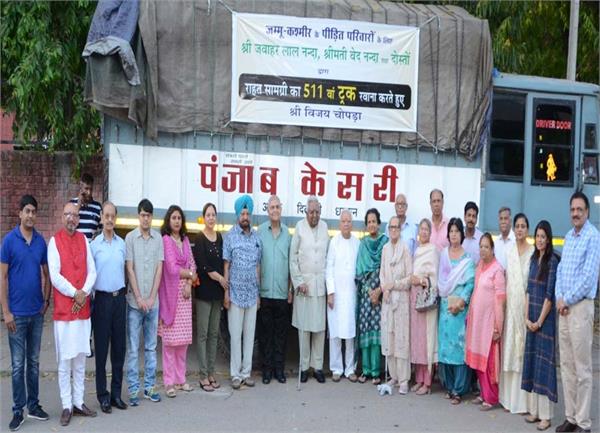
276	408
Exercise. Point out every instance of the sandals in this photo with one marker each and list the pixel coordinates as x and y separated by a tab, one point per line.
376	381
423	390
477	400
214	383
185	387
208	387
362	378
416	387
486	406
171	393
531	419
543	425
455	400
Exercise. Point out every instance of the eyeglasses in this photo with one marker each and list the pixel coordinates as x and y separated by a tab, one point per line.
71	214
394	227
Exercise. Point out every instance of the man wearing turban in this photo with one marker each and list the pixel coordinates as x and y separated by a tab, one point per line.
242	253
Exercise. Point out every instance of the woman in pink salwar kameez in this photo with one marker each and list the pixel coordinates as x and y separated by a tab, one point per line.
485	321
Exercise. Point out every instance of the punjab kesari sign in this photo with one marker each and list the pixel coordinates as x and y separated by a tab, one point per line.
324	73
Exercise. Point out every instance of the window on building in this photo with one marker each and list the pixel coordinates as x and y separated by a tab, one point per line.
507	137
553	142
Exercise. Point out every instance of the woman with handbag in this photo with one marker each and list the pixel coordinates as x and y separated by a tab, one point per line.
394	275
456	277
423	314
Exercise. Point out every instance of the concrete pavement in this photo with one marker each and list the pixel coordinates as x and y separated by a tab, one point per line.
328	407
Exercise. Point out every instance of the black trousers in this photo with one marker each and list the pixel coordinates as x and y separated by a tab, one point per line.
108	319
274	322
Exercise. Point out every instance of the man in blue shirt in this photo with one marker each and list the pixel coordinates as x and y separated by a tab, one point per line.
576	287
242	254
25	299
108	316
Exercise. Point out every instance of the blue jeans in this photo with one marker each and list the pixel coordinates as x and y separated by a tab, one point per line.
138	320
25	345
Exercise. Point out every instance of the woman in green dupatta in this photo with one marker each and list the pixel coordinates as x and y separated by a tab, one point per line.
369	297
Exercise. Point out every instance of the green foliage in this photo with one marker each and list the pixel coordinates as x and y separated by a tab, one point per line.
532	37
43	75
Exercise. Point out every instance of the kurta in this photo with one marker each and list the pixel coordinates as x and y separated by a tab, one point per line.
71	337
513	340
367	277
394	274
439	234
179	332
423	325
451	328
308	259
341	270
539	360
486	314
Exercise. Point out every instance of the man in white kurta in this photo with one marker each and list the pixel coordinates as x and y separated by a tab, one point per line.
341	298
73	273
308	257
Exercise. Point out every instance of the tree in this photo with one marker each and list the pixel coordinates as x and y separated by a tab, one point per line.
532	37
43	75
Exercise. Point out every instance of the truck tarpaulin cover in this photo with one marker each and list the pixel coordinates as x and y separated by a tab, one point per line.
184	57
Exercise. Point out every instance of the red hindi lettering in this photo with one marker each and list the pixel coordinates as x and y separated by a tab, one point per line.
350	181
241	173
386	188
312	184
268	180
210	169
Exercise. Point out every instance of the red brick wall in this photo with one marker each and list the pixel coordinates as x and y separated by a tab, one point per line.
49	179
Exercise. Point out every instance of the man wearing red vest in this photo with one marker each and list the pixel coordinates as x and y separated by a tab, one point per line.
72	272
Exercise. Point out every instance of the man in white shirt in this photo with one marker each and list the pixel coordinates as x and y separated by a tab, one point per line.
506	239
73	273
341	298
472	233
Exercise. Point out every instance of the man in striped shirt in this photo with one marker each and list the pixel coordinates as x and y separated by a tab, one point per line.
89	209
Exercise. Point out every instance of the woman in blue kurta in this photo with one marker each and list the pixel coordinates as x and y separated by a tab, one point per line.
539	361
455	284
369	297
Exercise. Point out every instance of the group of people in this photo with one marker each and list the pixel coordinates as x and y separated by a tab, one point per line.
439	298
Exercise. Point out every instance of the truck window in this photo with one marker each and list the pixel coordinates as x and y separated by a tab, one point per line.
553	142
507	137
590	157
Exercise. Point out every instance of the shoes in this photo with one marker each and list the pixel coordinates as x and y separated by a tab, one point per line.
304	376
152	395
105	406
236	383
566	427
249	382
16	421
134	400
65	417
84	411
266	377
336	377
118	403
280	376
579	429
353	378
403	388
318	374
38	413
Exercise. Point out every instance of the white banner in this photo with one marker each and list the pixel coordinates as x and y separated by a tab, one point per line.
191	178
325	73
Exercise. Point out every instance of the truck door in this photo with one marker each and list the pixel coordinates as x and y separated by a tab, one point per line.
552	172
